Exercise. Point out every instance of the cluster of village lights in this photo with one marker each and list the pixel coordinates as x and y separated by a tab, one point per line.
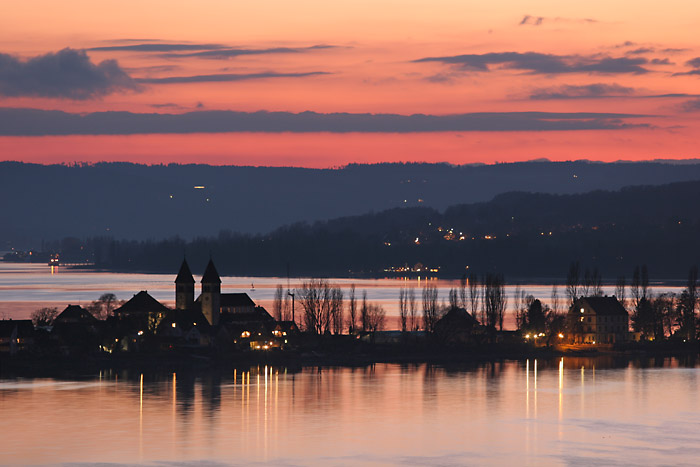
535	336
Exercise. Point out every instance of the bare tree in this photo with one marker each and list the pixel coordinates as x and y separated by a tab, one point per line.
519	315
596	283
587	283
454	298
463	292
352	320
375	317
573	282
318	300
620	292
403	308
104	306
664	311
484	306
277	303
474	295
635	286
640	284
364	316
44	316
287	307
554	306
337	310
689	299
412	309
496	300
430	307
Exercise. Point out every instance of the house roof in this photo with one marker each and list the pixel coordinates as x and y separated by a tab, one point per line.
24	327
605	305
185	275
142	302
211	275
236	300
185	320
457	318
75	314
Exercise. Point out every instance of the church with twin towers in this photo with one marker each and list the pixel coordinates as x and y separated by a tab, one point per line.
211	302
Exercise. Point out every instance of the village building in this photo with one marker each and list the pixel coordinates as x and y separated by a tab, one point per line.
16	335
598	320
457	327
76	330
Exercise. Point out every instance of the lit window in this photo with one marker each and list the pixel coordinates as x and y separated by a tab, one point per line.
173	325
581	310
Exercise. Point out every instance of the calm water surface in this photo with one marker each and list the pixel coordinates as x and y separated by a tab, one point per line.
559	412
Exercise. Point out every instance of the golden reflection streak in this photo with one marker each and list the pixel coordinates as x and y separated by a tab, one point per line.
265	433
141	416
561	388
174	406
527	406
535	397
527	388
276	408
243	398
582	388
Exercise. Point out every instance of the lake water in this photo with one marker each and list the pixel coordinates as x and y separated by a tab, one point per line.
557	412
26	287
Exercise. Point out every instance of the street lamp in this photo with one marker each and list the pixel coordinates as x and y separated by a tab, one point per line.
292	295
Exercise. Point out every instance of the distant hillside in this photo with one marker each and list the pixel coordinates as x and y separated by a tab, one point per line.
518	234
132	201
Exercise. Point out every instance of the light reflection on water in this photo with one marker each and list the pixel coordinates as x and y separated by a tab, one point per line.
561	411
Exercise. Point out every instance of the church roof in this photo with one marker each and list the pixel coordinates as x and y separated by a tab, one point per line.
185	275
236	300
74	314
142	302
258	315
210	274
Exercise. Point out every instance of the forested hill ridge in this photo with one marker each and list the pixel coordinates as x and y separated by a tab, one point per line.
522	235
131	201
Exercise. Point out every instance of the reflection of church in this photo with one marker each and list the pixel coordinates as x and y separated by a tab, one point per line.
212	319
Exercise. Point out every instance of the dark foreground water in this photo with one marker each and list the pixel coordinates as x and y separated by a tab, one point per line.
555	412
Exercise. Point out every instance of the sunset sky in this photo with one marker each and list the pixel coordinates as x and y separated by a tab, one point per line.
324	84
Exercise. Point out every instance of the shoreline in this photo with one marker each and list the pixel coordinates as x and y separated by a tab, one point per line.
61	367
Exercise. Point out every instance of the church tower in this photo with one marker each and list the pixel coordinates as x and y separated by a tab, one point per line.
211	294
184	288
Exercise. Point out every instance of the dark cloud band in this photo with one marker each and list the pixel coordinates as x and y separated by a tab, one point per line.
226	77
535	62
34	122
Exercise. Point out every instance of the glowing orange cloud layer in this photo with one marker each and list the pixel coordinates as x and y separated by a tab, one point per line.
371	67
